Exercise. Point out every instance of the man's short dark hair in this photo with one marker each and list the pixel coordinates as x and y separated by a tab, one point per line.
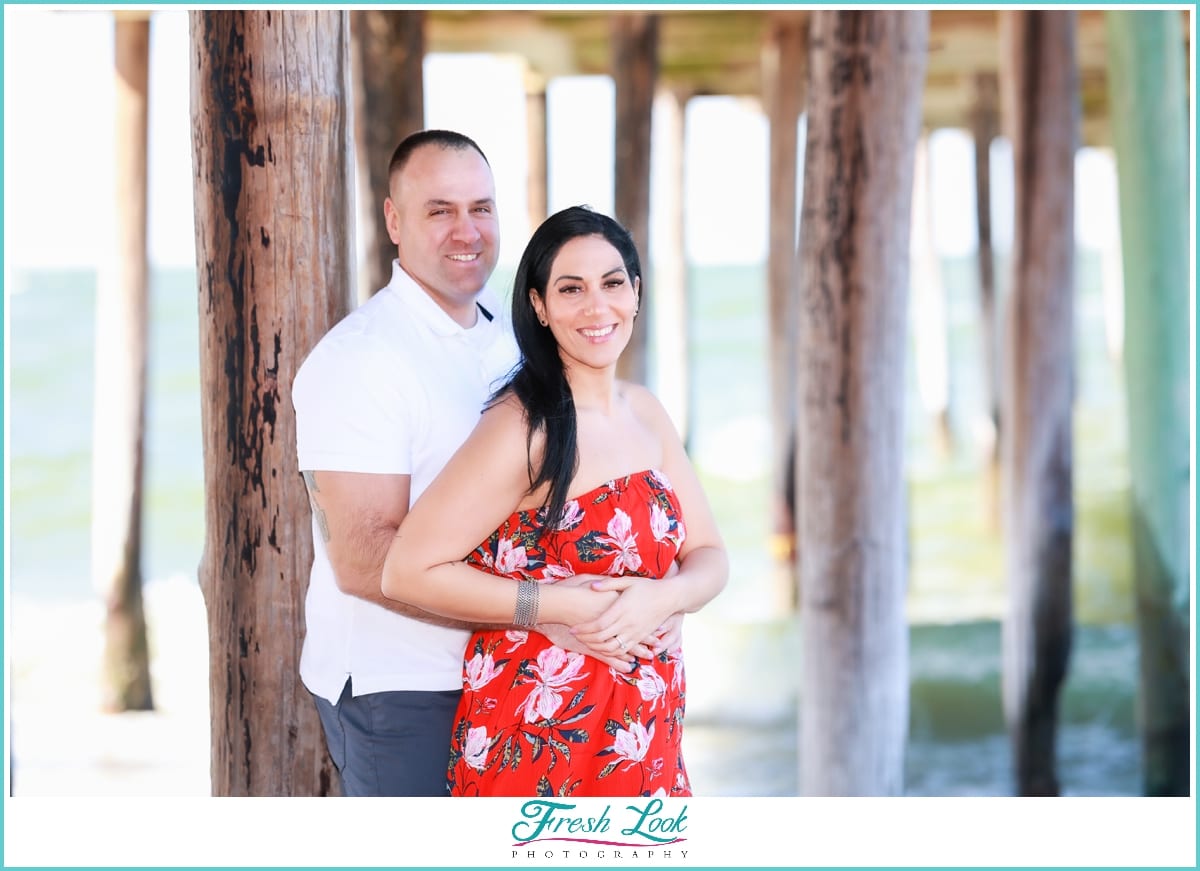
445	139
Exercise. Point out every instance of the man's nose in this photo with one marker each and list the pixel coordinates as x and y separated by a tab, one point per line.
465	229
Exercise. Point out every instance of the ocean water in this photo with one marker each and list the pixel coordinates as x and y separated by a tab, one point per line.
956	592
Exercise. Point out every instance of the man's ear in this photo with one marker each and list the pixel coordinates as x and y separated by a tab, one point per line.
391	219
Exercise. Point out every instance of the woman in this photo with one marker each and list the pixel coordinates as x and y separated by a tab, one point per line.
578	486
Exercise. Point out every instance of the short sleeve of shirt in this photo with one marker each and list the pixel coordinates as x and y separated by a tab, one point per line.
349	418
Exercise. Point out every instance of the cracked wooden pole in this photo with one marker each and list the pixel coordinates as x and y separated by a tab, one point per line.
270	147
1149	103
387	62
118	433
1042	85
634	71
784	59
866	73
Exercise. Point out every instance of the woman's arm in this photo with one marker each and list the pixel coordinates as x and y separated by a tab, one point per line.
703	562
484	482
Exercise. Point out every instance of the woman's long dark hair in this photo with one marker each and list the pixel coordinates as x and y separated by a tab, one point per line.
540	381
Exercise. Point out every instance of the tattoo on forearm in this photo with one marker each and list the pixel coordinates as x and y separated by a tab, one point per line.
310	481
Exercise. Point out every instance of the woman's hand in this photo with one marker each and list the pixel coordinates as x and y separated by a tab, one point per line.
641	612
598	602
669	636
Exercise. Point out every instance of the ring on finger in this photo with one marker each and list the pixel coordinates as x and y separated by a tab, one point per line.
620	643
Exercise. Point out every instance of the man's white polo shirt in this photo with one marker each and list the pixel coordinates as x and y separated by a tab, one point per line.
394	388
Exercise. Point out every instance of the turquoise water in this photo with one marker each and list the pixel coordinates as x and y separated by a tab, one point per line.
957	746
51	406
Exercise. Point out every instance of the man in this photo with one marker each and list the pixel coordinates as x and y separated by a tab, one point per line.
382	402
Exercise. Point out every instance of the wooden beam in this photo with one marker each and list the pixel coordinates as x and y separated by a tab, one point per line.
1043	96
634	69
866	70
716	51
271	145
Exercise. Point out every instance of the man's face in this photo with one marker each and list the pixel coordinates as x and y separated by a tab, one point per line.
442	217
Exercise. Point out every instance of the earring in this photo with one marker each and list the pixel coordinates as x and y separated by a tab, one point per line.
543	323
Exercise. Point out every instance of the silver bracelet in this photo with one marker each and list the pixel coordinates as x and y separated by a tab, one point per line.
525	615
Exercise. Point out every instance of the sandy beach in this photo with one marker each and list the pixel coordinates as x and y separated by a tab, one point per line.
63	746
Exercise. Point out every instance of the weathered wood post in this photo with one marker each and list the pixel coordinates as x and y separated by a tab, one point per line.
271	146
387	63
1043	93
634	71
866	72
118	428
783	60
1149	104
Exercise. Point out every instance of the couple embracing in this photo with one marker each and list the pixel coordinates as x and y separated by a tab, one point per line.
506	537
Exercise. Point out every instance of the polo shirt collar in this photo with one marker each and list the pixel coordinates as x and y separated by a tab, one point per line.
414	297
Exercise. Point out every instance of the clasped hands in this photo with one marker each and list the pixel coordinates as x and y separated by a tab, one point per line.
622	619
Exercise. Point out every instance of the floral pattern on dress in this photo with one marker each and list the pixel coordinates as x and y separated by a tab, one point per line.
535	719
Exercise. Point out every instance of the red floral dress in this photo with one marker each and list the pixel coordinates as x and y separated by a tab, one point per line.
539	720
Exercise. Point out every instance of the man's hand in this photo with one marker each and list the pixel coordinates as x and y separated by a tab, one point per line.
561	636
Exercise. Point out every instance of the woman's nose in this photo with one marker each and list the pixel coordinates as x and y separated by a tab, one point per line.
591	302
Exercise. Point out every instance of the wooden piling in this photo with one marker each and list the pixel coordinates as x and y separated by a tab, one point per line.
1036	465
784	60
1149	99
635	70
119	420
387	58
866	73
271	144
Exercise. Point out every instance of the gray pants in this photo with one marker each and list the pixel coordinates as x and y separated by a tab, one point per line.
393	743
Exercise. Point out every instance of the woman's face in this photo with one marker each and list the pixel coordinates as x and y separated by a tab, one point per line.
590	302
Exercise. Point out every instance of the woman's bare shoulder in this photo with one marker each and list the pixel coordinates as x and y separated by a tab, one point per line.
647	407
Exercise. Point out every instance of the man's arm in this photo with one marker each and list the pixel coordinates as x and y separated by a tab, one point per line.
358	515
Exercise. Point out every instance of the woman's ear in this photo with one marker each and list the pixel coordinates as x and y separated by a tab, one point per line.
539	307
